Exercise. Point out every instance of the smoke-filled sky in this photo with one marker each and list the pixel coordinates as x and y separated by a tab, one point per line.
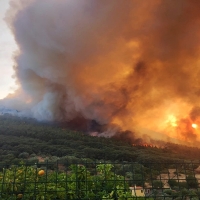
132	64
7	46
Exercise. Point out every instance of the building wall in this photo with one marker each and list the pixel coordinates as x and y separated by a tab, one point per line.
139	192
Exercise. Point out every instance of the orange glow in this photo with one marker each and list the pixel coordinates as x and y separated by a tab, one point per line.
144	145
172	120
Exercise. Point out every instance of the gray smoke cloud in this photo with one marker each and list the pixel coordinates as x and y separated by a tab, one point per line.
115	62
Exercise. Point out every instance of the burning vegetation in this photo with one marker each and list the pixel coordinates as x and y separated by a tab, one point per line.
110	66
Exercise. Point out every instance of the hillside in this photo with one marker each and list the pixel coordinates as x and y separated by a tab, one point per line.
29	139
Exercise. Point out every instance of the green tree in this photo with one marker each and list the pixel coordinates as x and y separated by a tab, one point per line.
157	184
191	181
24	155
172	183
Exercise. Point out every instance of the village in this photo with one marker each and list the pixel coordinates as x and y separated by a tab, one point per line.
169	184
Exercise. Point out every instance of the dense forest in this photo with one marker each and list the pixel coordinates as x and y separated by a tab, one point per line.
23	138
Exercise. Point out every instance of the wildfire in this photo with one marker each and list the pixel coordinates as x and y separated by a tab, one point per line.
143	145
112	73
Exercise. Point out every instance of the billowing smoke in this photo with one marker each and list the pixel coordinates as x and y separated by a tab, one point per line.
134	63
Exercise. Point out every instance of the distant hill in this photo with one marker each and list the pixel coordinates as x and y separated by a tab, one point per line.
23	138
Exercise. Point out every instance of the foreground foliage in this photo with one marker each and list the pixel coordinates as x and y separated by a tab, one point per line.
97	181
29	182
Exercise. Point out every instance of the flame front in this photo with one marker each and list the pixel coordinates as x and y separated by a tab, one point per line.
194	126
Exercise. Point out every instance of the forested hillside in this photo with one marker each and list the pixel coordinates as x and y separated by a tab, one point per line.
29	139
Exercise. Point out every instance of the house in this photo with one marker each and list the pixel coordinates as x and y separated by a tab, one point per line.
137	191
141	191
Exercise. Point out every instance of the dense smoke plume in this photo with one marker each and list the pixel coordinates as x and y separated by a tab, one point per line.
134	63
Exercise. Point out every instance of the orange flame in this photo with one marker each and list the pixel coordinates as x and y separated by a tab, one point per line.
195	126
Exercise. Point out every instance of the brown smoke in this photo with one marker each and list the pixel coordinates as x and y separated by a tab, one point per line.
132	63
